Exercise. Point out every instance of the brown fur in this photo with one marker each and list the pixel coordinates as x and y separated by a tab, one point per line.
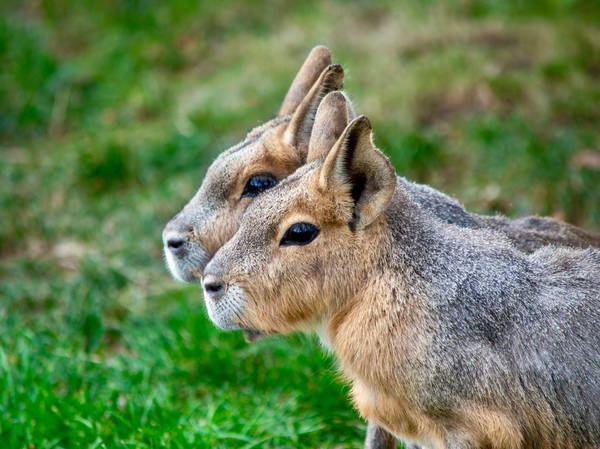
268	157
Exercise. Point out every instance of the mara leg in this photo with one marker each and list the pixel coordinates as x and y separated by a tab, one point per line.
378	438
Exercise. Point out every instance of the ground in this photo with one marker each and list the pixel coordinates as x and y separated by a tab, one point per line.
110	113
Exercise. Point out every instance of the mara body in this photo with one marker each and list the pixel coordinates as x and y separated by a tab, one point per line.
450	336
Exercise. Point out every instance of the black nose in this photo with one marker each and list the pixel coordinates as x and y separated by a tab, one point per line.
214	287
176	244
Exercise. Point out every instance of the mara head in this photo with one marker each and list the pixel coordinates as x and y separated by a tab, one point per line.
305	249
267	155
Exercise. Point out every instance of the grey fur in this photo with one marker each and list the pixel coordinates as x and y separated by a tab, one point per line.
532	323
526	233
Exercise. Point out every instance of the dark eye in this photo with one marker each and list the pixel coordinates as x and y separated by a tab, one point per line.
300	234
257	184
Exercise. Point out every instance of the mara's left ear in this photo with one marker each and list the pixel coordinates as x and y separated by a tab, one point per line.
318	58
333	115
297	134
361	171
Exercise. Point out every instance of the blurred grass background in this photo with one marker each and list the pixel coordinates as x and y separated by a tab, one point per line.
109	113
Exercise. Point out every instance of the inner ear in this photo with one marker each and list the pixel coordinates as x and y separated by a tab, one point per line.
357	178
352	141
370	179
359	182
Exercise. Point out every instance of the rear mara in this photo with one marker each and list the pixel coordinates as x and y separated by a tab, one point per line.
450	337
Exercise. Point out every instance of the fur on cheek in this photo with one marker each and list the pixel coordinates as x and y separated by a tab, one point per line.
295	291
228	310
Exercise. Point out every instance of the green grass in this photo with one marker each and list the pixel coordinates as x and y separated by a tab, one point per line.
110	113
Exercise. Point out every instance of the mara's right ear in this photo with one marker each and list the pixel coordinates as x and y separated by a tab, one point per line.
318	58
363	174
298	131
333	115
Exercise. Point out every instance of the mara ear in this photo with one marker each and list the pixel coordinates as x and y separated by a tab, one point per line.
333	115
361	172
318	58
298	131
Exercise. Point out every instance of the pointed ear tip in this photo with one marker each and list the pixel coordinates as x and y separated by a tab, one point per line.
320	52
363	122
335	97
335	71
332	77
321	49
